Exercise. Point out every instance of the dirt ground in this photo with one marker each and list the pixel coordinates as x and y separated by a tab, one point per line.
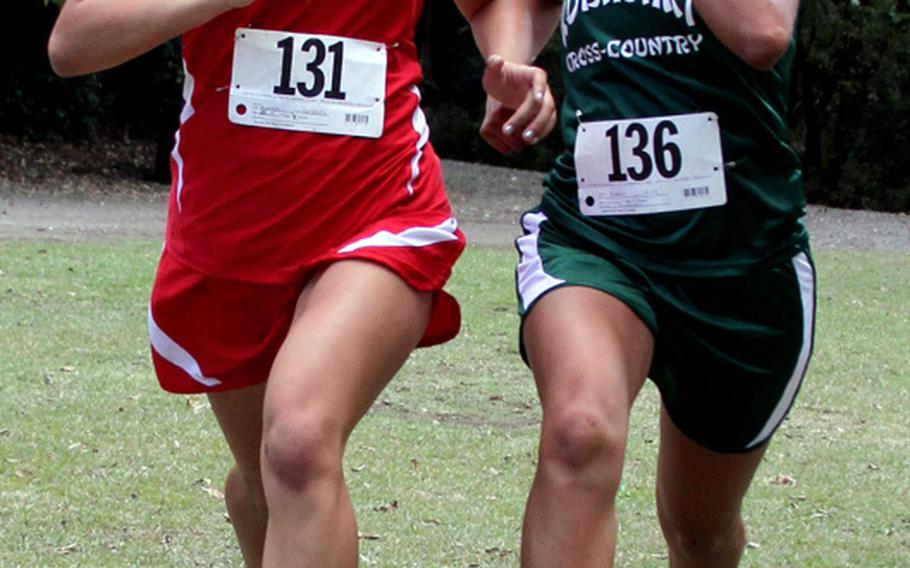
74	192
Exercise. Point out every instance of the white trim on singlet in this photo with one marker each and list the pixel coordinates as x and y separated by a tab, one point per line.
189	85
419	123
805	275
172	352
413	237
532	279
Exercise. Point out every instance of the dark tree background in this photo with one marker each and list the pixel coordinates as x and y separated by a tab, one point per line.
851	112
851	106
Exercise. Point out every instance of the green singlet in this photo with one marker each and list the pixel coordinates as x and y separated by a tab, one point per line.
679	195
635	59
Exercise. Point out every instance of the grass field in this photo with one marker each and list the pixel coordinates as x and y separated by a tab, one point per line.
100	468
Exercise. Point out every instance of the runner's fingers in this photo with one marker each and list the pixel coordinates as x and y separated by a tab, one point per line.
521	86
491	130
510	132
497	142
541	125
523	115
530	118
551	123
494	137
539	84
500	141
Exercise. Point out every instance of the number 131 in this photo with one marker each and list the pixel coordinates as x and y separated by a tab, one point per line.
314	67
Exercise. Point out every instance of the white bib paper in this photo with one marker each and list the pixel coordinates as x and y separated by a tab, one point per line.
649	165
308	83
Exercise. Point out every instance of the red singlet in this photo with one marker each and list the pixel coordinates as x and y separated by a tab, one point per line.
263	205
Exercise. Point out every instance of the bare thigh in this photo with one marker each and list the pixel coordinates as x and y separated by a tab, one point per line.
699	491
587	349
355	325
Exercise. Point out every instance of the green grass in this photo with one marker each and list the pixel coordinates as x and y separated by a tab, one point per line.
100	468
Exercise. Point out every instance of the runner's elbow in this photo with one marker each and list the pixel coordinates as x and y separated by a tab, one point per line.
763	47
469	8
59	53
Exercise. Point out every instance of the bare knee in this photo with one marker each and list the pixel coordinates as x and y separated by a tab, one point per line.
243	492
581	446
301	449
700	540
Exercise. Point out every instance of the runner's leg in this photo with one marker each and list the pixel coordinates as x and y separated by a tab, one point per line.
239	413
590	355
699	499
354	327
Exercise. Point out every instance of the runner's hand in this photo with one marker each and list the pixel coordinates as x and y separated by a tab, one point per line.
491	129
520	107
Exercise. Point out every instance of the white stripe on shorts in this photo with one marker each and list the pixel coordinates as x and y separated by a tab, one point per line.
171	351
532	280
413	237
805	275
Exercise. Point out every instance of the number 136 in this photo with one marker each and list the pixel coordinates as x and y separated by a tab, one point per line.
663	155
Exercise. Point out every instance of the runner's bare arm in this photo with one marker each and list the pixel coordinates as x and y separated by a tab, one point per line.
510	34
93	35
515	29
757	31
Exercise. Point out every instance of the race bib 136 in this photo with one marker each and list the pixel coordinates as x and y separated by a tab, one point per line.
649	165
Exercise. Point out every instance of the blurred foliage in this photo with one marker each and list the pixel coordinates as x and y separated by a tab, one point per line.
851	116
33	101
851	112
132	100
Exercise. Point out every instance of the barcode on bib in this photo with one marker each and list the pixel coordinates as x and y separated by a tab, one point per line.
357	118
695	191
